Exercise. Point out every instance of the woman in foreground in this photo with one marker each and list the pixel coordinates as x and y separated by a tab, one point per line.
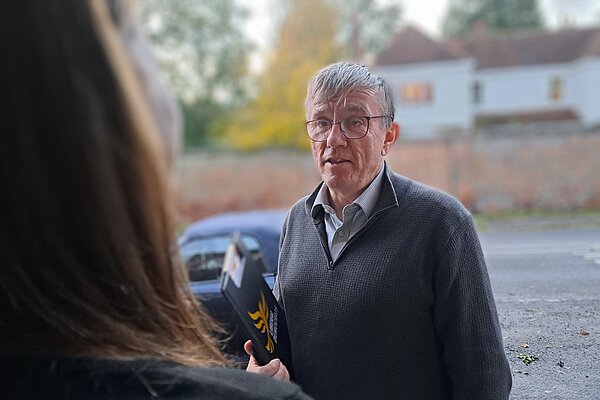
94	302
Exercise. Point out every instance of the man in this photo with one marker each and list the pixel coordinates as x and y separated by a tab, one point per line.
382	278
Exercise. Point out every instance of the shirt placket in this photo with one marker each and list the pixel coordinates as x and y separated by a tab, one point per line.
344	232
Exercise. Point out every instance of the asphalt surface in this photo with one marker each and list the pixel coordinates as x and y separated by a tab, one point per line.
547	290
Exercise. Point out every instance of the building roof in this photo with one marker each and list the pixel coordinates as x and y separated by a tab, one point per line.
411	46
492	50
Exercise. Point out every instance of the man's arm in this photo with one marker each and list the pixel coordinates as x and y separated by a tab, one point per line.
466	320
277	286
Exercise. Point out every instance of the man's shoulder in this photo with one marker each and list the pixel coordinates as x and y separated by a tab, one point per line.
428	204
300	208
300	204
417	194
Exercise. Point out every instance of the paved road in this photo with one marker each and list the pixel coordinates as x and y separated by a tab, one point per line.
547	289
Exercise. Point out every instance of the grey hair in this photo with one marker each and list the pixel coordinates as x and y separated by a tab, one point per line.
337	80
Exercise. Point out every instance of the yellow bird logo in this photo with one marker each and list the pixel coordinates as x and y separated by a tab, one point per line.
261	318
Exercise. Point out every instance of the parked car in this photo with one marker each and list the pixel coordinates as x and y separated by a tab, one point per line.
203	245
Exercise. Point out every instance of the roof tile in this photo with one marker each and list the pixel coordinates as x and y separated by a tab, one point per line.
493	50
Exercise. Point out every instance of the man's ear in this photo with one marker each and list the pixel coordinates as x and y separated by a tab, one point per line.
391	135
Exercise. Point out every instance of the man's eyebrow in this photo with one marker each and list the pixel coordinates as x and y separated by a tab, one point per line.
354	107
319	109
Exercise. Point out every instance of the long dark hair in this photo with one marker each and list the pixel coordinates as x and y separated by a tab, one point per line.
88	257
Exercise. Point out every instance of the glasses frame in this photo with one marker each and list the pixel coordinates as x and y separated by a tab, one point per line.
333	123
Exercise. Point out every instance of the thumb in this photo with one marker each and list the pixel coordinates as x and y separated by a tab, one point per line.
248	348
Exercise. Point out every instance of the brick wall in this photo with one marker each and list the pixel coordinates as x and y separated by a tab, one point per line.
486	174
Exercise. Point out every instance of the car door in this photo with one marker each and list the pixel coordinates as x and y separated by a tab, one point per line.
203	257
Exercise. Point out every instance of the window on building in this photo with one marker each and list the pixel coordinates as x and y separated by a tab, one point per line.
416	93
555	89
477	92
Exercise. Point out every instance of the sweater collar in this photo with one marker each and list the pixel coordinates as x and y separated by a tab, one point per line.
387	197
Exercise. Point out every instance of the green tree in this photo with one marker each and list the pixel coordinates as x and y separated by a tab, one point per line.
312	34
306	42
496	15
203	52
366	26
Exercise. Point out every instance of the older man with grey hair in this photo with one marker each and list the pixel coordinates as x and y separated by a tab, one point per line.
382	278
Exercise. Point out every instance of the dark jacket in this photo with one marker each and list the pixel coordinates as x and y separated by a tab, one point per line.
70	378
406	310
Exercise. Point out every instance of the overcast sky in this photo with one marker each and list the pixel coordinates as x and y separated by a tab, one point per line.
427	15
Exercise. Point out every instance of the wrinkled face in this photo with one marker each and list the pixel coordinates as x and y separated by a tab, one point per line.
348	166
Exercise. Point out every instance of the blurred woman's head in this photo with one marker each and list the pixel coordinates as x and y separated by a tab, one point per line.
88	257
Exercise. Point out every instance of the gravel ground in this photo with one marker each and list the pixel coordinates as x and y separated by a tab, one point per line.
547	290
563	339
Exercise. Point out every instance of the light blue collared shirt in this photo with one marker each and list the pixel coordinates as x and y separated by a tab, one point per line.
356	214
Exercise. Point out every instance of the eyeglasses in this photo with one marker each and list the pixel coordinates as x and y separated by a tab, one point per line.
352	128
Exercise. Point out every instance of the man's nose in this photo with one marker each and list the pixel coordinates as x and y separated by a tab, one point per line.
336	136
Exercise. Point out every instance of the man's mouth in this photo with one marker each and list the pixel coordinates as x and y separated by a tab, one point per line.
335	161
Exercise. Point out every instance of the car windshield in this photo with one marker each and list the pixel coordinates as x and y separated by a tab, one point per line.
203	257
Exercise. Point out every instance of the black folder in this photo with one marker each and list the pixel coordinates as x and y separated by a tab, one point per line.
263	320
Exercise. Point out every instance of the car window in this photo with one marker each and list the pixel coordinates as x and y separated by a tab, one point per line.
203	257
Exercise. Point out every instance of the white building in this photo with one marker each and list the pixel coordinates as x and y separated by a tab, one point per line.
487	81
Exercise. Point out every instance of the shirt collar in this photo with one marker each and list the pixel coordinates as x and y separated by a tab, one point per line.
366	200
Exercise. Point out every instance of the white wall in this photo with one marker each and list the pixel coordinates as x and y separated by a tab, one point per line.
451	105
523	89
504	91
586	79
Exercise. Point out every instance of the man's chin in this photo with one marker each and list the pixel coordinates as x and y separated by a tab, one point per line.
336	181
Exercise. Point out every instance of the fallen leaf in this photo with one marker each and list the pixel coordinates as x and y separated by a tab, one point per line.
524	345
583	332
527	358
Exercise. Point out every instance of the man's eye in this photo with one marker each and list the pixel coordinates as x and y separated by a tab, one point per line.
355	122
323	123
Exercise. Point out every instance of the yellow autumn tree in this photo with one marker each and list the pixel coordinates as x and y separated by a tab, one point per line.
306	43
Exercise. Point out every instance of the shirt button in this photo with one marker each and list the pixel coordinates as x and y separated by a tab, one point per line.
341	233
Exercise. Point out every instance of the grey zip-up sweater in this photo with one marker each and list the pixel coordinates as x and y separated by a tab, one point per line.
405	312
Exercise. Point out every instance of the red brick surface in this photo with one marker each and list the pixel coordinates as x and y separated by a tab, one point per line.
486	174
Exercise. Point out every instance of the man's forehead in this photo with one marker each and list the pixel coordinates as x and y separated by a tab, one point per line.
357	100
334	103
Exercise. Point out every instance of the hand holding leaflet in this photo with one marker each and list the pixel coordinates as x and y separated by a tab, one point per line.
245	289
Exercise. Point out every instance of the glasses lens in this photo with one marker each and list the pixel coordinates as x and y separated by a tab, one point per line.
319	129
355	127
